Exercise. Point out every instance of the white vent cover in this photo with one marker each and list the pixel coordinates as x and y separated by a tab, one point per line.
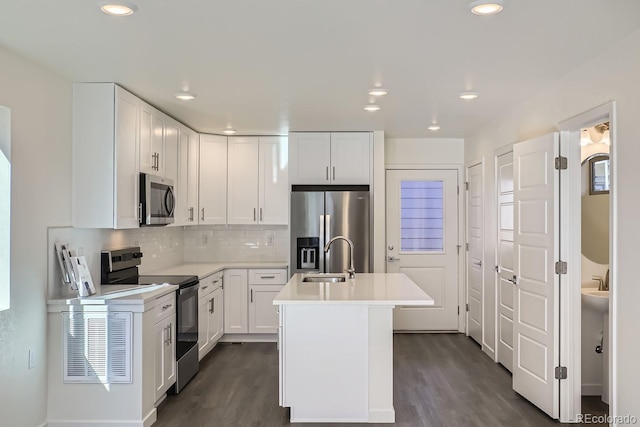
97	347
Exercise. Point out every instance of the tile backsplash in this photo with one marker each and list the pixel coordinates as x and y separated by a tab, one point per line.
236	243
165	247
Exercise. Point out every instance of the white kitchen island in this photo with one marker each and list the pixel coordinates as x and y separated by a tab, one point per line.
336	346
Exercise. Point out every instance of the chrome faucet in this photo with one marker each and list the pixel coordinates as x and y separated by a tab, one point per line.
351	270
601	286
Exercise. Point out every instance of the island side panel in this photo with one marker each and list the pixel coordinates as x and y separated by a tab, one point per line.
381	364
326	362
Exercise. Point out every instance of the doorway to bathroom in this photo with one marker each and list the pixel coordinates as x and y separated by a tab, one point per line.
587	336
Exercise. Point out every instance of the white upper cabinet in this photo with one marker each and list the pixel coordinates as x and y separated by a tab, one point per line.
258	180
273	191
350	157
105	150
171	143
152	140
186	185
309	157
327	158
213	181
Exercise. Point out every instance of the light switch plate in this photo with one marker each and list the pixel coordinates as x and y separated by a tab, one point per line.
32	359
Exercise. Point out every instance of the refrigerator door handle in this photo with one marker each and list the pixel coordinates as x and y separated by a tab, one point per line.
322	243
327	255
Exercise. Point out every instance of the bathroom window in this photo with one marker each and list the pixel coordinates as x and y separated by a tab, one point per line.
5	208
421	211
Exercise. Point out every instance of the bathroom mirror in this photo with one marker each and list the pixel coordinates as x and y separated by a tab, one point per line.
599	174
595	208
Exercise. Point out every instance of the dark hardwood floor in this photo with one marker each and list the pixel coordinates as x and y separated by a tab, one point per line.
439	380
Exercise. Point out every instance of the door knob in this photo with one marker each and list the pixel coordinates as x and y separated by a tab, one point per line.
392	258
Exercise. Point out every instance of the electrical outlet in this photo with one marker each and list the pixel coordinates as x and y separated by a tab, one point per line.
270	240
205	239
32	359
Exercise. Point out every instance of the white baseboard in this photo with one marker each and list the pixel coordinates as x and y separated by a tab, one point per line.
249	338
382	416
591	389
98	423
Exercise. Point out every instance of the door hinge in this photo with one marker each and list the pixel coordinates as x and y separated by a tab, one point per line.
466	185
467	307
561	163
561	372
458	246
467	247
458	310
458	189
561	267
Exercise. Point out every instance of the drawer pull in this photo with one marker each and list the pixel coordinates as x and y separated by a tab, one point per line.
215	281
267	277
205	287
164	307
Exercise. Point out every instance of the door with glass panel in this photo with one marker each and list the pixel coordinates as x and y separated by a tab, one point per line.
422	242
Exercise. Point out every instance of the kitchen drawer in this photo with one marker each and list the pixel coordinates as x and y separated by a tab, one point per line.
209	284
165	306
268	277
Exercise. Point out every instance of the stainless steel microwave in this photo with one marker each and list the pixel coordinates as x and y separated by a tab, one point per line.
157	200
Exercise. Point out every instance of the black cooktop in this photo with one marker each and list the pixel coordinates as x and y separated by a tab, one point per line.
182	281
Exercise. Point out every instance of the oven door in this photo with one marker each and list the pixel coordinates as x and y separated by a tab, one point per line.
157	200
187	320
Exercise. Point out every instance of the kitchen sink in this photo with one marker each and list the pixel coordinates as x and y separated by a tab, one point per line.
324	277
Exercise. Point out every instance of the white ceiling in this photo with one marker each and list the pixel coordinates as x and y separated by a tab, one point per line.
270	66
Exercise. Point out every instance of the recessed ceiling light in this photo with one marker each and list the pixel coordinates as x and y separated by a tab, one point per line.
377	91
229	131
185	96
117	8
484	7
468	96
372	107
434	127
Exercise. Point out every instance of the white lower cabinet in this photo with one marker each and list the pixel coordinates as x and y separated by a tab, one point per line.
210	313
248	300
263	315
165	344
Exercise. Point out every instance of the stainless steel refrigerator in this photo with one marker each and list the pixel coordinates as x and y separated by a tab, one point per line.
320	213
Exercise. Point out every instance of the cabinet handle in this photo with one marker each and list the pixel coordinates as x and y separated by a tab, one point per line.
251	295
204	287
267	277
327	173
334	173
170	331
211	305
140	213
260	214
215	281
191	213
165	331
164	307
202	214
254	214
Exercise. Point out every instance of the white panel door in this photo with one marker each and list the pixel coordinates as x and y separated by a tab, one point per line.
474	253
212	186
535	314
504	258
274	181
422	242
309	157
242	195
350	157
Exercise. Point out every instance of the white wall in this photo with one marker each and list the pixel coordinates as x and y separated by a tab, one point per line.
40	106
418	152
612	75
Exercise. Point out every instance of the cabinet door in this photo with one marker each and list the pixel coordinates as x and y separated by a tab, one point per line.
147	160
171	142
350	157
235	302
309	157
263	315
242	205
213	180
215	318
161	332
127	128
181	214
204	314
273	191
170	354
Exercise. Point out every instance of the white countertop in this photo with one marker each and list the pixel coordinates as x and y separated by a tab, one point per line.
205	269
365	289
110	295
